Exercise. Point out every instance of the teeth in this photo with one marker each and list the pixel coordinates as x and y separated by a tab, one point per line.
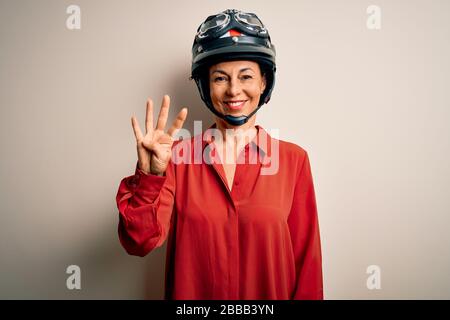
235	104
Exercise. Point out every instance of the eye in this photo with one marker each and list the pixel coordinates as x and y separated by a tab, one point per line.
219	79
247	77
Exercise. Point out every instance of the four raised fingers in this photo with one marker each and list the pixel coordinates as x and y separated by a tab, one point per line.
162	119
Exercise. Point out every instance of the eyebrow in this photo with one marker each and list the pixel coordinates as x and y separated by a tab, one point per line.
223	72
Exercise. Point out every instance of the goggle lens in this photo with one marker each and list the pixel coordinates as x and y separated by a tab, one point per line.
215	22
250	19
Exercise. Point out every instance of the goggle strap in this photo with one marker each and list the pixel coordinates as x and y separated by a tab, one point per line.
228	41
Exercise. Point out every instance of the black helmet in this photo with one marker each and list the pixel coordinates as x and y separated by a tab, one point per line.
227	36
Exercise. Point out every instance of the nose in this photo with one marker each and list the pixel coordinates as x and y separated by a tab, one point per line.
234	87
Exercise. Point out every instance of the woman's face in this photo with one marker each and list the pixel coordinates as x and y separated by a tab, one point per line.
236	86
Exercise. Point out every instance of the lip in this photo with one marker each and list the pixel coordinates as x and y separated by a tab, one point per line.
235	107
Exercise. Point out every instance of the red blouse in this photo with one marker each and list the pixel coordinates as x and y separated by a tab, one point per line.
258	241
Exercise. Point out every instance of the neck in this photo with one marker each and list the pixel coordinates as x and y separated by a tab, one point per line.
234	138
230	132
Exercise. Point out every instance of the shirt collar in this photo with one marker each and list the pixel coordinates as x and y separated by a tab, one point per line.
262	140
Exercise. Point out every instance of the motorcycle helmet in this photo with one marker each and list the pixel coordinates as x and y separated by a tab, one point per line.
228	36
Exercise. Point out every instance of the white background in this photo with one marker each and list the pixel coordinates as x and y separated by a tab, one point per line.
371	107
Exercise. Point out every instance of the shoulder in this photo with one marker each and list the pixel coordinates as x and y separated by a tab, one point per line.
292	157
290	150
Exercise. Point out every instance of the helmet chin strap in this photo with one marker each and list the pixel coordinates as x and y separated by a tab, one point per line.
234	121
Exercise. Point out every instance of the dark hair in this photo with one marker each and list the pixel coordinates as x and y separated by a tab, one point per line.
205	70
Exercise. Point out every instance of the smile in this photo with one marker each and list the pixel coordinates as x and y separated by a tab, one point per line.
235	105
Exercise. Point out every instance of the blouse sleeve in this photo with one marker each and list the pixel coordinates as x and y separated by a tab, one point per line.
304	228
145	204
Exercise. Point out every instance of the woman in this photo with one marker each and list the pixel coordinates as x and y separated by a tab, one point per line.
234	231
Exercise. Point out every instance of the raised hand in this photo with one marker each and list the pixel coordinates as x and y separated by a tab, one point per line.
154	149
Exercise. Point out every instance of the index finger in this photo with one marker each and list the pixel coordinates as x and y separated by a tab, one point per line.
178	122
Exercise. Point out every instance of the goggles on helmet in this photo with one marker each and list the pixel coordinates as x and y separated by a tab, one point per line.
247	22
